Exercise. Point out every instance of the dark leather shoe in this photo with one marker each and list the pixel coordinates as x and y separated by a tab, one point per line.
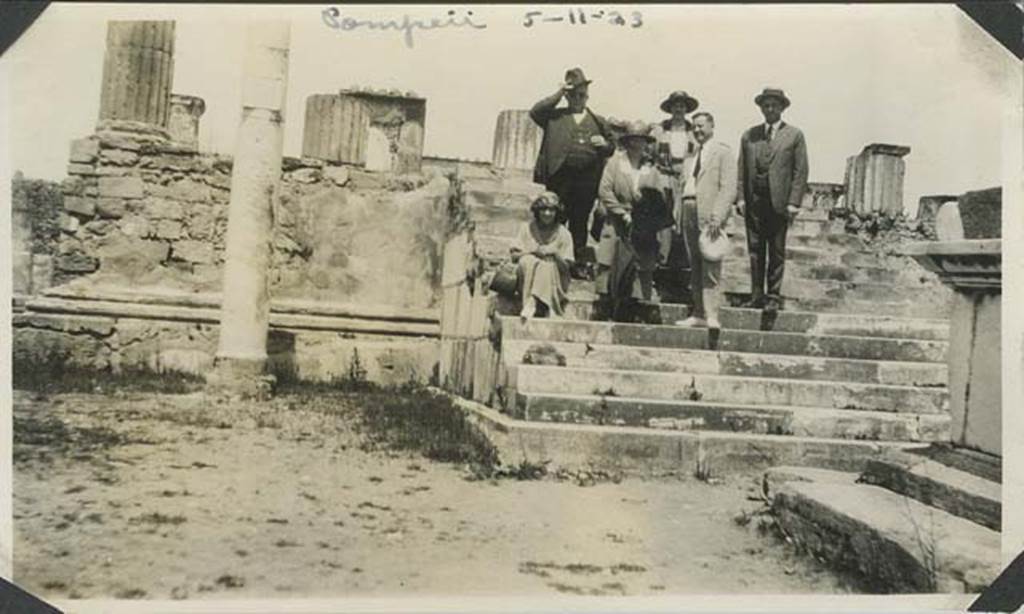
753	303
773	305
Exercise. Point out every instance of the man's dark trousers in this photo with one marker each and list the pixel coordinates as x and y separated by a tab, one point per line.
577	190
766	232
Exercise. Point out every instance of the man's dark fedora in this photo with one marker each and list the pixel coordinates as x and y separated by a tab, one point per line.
691	102
575	78
772	92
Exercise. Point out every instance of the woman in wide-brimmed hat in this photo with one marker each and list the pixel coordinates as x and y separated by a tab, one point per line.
675	144
631	198
543	252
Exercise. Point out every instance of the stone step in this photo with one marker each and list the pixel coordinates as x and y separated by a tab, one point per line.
735	417
809	239
737	281
898	544
669	360
865	325
932	483
647	451
649	335
727	388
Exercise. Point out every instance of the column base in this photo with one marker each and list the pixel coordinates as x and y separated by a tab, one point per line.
243	378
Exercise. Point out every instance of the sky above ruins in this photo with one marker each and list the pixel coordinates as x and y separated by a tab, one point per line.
917	75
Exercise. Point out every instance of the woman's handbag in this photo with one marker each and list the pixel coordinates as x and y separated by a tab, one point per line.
506	279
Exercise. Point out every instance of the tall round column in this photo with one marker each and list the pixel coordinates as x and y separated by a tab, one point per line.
516	140
255	180
138	69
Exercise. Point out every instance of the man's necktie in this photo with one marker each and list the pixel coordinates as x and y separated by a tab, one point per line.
696	167
771	131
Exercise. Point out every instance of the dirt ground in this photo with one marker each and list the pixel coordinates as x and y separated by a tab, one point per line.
133	495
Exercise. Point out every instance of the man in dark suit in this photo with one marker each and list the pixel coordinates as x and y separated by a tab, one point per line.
573	151
772	176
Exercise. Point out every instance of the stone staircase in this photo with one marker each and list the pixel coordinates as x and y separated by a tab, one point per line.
921	521
857	355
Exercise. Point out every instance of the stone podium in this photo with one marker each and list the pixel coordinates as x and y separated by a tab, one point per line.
974	269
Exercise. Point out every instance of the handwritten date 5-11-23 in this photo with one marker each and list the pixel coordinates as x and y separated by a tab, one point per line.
581	17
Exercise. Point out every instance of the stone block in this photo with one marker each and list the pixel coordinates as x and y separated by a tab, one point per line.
68	223
22	279
99	227
168	229
81	169
120	157
222	182
85	207
112	171
981	213
193	251
304	175
76	262
163	209
131	257
42	272
135	226
338	174
110	208
84	150
121	187
72	185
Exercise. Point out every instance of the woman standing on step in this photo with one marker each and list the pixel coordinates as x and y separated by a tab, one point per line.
631	198
544	254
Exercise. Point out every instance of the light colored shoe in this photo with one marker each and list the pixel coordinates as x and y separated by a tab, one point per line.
714	323
693	323
529	309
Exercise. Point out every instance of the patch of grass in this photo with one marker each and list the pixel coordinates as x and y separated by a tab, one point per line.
158	519
56	377
57	437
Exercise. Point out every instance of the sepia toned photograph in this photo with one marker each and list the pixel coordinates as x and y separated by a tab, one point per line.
507	301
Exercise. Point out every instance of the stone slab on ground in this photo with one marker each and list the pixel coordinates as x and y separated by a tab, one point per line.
831	346
775	477
896	542
694	361
759	418
644	451
934	484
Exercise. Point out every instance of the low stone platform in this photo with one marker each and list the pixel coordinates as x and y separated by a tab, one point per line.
165	331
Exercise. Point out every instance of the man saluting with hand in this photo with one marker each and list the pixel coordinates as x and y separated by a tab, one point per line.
572	154
772	174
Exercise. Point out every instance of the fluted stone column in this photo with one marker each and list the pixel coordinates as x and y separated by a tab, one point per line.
516	140
874	179
138	69
336	129
183	122
255	179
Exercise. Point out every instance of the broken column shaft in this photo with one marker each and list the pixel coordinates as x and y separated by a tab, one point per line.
256	174
516	140
138	69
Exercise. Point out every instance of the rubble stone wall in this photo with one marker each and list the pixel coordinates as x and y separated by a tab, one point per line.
140	213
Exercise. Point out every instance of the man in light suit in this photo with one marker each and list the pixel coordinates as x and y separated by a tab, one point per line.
572	155
709	190
773	178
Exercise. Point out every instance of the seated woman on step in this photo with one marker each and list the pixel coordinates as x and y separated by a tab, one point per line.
544	255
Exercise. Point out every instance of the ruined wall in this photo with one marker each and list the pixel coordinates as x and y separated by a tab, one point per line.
36	205
147	213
